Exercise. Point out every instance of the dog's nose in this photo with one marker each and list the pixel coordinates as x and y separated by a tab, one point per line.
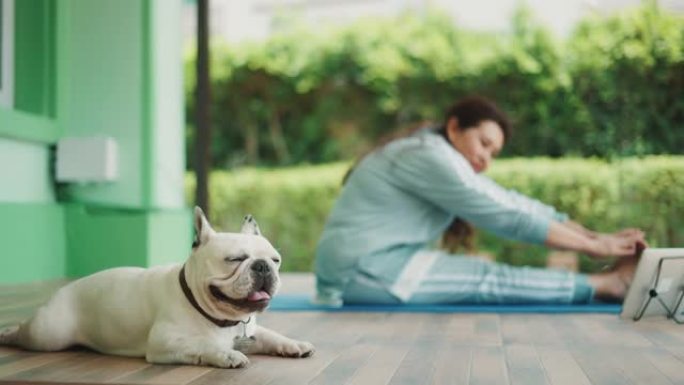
261	267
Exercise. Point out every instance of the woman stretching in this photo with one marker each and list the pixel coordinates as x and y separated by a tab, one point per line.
398	199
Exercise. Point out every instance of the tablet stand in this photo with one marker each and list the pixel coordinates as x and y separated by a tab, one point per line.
653	294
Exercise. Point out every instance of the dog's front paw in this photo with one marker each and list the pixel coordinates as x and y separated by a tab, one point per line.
230	359
296	349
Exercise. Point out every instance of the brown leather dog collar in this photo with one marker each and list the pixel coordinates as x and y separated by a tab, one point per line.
193	302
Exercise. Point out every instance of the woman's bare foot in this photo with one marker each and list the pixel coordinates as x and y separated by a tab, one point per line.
611	286
625	269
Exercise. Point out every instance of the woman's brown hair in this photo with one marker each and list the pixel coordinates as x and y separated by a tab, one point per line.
470	112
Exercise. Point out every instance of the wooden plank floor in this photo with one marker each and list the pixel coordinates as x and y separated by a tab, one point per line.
390	348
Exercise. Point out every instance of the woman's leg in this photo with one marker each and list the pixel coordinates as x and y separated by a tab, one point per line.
460	279
365	289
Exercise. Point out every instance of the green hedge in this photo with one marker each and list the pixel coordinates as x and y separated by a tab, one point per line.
291	204
613	88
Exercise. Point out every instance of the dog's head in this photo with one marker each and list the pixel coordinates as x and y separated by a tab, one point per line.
232	274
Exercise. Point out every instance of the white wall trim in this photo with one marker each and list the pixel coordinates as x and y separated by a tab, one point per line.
7	46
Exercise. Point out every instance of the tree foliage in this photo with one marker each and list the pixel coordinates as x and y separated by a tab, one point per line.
612	88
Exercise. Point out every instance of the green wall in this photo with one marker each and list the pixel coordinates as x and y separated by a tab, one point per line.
89	68
32	225
33	242
100	238
167	147
125	55
101	91
25	174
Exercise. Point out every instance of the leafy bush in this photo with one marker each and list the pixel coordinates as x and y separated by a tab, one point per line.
291	204
629	72
613	88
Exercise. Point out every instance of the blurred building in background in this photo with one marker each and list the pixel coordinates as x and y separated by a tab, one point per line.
238	21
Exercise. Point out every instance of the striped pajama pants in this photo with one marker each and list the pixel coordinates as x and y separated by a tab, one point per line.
436	277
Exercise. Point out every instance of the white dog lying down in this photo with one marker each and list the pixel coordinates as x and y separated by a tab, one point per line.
202	312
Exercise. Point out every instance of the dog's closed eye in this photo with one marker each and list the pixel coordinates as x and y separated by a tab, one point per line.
276	260
239	258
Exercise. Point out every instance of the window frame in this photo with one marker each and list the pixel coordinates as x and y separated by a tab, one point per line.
7	47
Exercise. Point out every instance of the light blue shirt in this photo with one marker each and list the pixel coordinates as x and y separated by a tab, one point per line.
401	198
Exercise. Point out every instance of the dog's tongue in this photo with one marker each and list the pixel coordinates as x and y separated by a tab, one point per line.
258	296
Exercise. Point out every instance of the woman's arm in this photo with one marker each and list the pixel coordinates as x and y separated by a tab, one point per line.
433	171
595	234
436	173
569	236
523	202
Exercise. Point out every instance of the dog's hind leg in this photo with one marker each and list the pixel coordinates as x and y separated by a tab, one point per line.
29	337
8	335
48	330
51	328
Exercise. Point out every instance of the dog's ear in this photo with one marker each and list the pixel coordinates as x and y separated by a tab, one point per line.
250	226
202	228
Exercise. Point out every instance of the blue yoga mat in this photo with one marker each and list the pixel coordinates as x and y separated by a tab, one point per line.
302	302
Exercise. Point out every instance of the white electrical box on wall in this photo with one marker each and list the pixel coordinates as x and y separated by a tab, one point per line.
85	160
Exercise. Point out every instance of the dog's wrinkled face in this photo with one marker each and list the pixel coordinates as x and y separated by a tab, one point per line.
233	273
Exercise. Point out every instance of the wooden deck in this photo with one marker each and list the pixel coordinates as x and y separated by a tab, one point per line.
391	348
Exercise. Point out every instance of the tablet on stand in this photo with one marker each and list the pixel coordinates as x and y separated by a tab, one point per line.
658	286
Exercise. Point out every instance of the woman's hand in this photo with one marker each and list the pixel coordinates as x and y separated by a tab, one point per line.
573	236
620	244
628	232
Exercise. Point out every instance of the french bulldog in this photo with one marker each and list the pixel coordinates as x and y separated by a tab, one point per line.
202	312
